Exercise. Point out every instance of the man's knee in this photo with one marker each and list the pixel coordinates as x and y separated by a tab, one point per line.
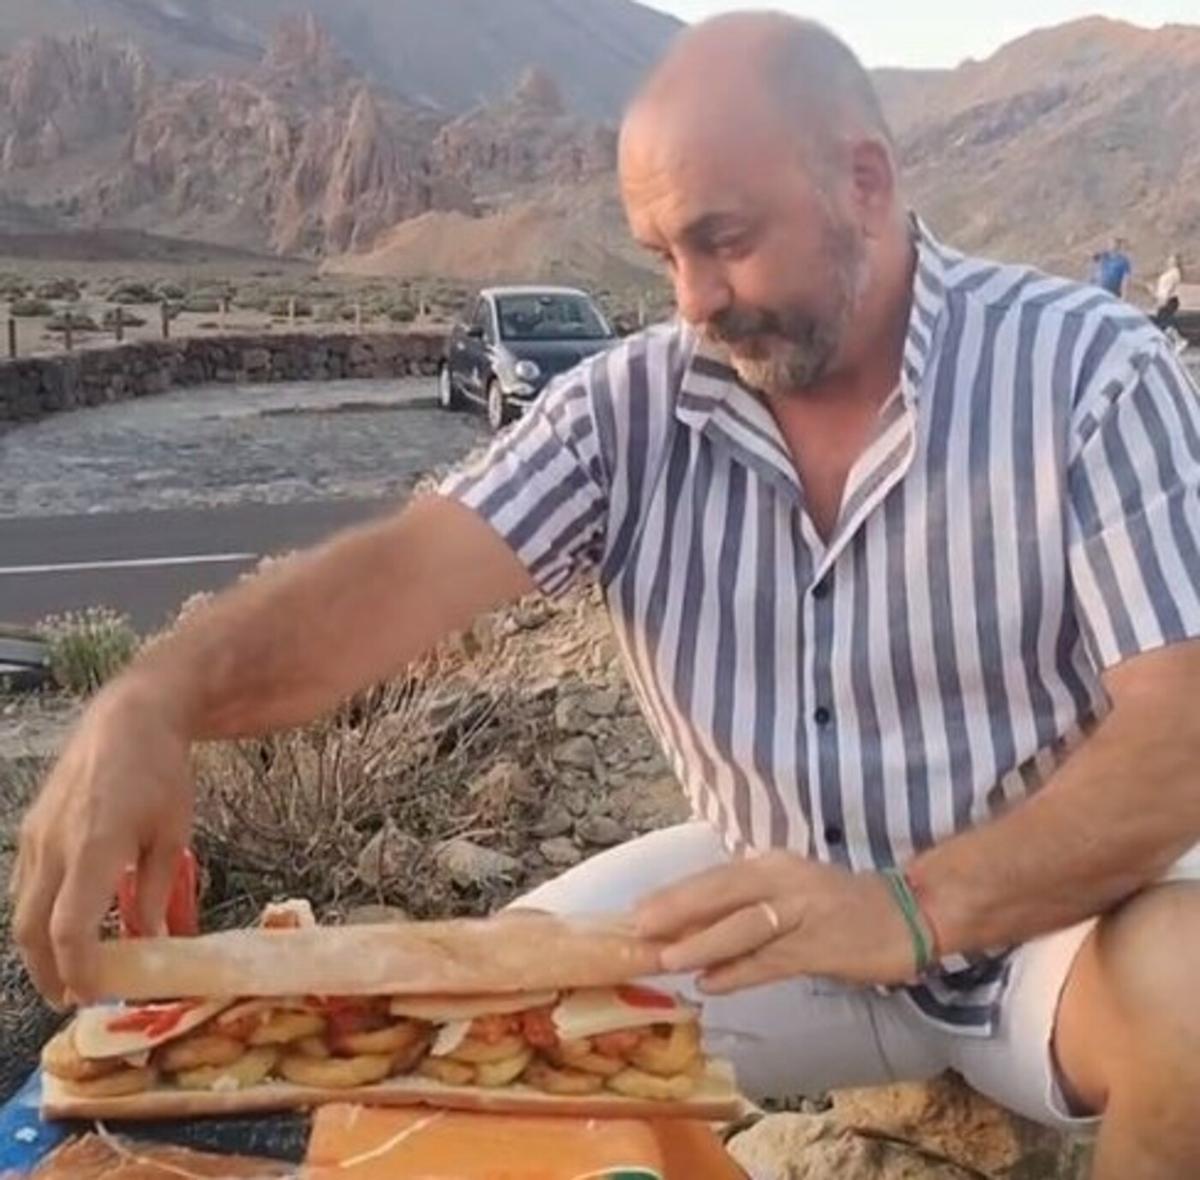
1144	1022
1148	953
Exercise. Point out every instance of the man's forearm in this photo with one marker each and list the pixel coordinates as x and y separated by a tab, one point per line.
1122	808
294	642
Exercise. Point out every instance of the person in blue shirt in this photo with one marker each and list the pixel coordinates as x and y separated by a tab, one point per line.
1113	268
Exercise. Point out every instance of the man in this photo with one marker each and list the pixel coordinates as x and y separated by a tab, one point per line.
917	592
1113	268
1166	294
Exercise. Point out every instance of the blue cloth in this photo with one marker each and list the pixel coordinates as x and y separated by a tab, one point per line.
25	1140
1112	269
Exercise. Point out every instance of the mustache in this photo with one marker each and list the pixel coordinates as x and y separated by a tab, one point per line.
735	324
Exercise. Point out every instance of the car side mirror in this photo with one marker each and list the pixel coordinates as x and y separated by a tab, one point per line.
475	332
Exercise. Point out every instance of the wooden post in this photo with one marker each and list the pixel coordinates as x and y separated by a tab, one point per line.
292	311
67	338
119	324
166	320
224	310
357	316
12	337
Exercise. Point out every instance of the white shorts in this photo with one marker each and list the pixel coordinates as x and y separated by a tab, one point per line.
808	1036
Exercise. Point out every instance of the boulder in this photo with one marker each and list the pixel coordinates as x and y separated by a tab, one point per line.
471	866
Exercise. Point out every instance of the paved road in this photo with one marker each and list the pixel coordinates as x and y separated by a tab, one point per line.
147	563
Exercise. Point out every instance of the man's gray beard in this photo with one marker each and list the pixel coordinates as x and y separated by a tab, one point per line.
792	366
800	356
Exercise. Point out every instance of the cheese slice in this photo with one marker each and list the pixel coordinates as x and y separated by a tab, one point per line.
96	1040
442	1009
450	1037
590	1012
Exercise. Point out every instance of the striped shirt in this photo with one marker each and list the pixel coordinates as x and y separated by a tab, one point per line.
1026	516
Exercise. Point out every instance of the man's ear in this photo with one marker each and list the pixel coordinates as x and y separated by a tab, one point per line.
873	184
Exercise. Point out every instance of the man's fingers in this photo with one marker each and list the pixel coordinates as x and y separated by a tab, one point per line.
762	966
83	900
40	878
701	900
155	876
732	937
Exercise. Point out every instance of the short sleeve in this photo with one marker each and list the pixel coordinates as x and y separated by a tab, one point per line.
542	484
1134	509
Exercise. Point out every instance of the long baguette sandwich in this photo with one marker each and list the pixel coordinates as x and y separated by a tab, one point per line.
428	1015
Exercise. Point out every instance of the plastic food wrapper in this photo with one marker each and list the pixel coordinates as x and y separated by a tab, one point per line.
108	1157
361	1143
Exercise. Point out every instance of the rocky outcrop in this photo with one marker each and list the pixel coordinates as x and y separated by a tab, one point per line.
527	139
300	154
59	96
31	389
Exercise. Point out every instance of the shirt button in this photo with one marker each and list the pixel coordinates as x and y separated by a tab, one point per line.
822	716
821	590
833	834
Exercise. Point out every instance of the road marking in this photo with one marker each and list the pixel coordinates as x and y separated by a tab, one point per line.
133	563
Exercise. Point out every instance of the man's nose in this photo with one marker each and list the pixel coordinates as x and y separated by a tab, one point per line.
702	291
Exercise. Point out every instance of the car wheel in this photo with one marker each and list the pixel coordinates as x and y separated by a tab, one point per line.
448	397
497	406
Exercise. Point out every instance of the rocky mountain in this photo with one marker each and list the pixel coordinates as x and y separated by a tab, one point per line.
453	54
299	154
294	144
1058	141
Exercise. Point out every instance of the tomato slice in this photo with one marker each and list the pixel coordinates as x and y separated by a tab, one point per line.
493	1029
182	917
538	1028
155	1021
638	996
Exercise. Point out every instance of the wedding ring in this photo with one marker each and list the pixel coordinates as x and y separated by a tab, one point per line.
772	916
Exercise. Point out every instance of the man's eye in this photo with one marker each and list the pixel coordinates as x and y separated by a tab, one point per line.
731	246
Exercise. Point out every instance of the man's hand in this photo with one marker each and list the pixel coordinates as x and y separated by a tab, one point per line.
831	923
120	795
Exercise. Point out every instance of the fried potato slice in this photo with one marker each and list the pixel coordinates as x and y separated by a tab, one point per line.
396	1038
474	1051
198	1050
282	1028
582	1055
544	1076
637	1083
667	1053
336	1073
251	1069
450	1073
495	1074
407	1059
61	1058
122	1084
313	1047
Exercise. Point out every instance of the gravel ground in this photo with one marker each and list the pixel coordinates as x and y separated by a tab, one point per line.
221	445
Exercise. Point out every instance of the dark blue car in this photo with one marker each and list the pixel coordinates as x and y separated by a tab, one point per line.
515	341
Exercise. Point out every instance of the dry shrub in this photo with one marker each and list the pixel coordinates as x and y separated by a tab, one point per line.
88	648
25	1021
290	815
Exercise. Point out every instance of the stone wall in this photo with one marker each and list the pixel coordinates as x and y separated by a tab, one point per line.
37	386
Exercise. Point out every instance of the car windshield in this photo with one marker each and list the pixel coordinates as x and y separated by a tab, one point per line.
550	317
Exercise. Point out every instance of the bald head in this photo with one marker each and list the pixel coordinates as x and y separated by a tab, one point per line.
756	162
766	65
